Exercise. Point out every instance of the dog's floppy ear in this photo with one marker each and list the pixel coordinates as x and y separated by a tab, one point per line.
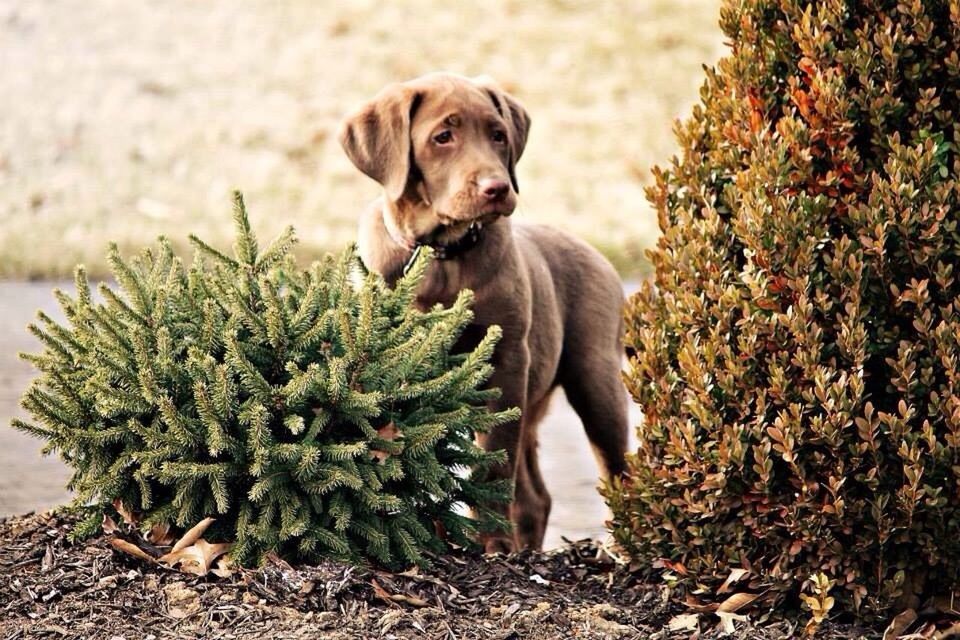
518	121
376	137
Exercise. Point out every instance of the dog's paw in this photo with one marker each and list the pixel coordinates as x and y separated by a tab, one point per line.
499	544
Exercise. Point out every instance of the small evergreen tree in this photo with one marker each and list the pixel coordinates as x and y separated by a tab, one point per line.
312	412
797	353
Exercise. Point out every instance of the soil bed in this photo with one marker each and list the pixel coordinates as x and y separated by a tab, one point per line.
51	588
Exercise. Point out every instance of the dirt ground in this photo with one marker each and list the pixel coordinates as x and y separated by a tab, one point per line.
125	119
52	589
31	482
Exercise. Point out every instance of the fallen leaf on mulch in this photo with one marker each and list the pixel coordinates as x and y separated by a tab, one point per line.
899	624
109	525
49	559
190	554
386	596
197	559
736	575
736	602
951	632
727	618
193	534
160	535
131	549
128	516
684	622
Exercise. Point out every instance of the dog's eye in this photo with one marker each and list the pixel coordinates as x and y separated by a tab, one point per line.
444	137
499	137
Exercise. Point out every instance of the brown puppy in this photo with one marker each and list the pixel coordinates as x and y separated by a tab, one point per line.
444	147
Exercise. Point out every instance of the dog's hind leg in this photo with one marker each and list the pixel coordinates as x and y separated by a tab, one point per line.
595	391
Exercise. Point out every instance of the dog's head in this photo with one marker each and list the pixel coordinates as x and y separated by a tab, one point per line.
444	147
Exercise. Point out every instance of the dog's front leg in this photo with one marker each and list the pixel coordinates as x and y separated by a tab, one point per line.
512	365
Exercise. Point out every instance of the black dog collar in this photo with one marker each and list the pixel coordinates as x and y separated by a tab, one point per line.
448	251
458	247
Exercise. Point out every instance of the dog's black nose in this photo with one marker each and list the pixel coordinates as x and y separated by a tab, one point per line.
493	189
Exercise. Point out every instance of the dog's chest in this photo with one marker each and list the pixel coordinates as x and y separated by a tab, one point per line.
442	284
470	338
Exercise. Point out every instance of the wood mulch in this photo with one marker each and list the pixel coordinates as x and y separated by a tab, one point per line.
50	588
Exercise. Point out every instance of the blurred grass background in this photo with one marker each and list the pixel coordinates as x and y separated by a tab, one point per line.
123	120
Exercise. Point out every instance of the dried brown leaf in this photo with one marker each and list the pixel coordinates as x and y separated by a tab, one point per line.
411	600
193	534
684	622
226	568
899	624
736	575
385	595
131	549
736	602
380	592
160	535
727	619
49	560
197	559
390	431
951	632
700	607
109	526
129	517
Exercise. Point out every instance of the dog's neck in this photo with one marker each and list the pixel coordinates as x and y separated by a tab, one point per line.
383	248
447	242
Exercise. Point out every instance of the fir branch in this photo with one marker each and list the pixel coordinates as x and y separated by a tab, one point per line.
276	251
245	247
227	262
254	382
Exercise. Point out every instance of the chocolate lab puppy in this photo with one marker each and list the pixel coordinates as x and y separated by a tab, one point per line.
445	148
